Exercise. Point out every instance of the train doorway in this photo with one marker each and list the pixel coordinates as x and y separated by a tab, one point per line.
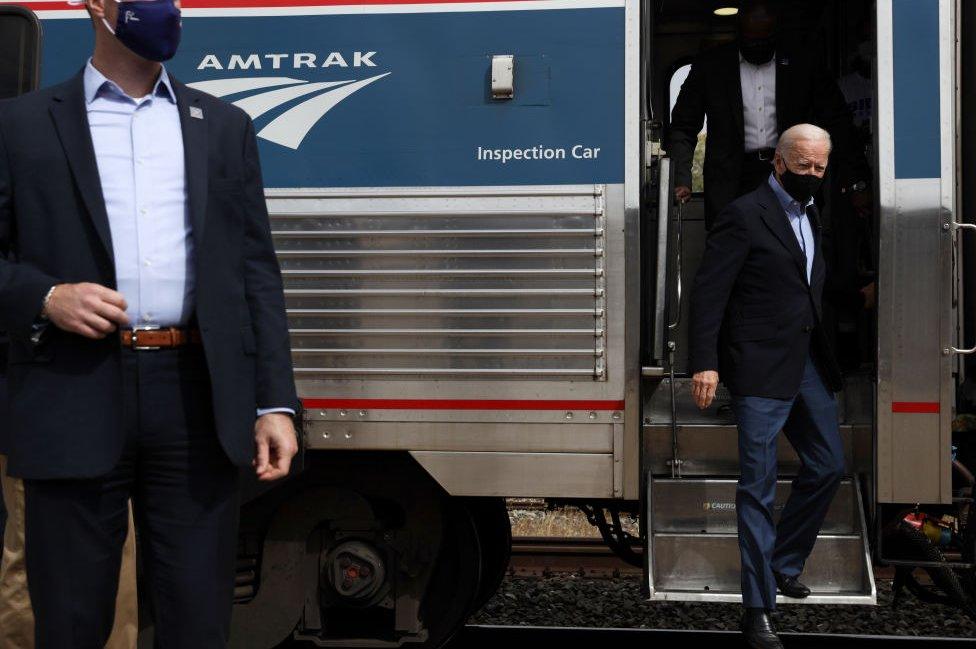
890	305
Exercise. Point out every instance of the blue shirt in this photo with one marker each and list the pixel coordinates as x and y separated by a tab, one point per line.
139	151
799	221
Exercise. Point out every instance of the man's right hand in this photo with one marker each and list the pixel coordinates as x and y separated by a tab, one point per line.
682	193
86	309
703	386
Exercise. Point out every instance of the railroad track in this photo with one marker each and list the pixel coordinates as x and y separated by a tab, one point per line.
538	556
528	637
532	637
534	556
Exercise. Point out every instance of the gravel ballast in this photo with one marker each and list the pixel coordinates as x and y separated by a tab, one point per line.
570	600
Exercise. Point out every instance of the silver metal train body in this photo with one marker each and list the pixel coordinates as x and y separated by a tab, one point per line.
485	277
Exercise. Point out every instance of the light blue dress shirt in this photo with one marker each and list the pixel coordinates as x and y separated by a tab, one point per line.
139	151
799	221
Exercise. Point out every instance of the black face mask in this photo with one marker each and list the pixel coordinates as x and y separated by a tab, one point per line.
802	187
758	51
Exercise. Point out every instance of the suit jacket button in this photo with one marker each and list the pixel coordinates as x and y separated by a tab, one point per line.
807	329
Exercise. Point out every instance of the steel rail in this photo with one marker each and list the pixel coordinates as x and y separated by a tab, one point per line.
517	637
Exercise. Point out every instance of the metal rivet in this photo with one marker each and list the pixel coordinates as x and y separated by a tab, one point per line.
348	435
616	415
322	413
325	435
569	415
362	413
343	413
592	415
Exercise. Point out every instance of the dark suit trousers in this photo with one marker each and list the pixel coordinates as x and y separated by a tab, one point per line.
810	423
184	493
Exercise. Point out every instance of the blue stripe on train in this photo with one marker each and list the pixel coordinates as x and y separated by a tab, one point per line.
918	143
424	123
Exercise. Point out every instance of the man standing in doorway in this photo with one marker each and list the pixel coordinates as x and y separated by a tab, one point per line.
756	324
750	91
149	349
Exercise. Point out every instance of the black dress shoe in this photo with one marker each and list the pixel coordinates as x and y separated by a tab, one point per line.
758	630
790	586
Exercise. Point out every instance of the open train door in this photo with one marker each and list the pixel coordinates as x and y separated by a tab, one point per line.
919	236
20	51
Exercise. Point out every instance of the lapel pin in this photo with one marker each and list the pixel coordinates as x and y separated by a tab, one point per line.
196	111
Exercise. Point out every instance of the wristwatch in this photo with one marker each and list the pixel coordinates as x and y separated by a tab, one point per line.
47	298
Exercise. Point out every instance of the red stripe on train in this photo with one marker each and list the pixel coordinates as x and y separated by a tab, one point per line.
462	404
915	406
237	4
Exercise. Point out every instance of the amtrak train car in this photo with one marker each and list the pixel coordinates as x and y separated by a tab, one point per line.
487	280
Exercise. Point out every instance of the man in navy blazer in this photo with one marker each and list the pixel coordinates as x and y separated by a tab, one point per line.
149	349
756	323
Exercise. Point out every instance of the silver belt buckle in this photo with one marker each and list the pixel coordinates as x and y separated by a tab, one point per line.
135	338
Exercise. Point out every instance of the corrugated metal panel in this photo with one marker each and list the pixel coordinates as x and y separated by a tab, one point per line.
432	282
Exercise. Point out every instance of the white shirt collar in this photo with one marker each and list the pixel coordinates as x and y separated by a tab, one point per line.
95	81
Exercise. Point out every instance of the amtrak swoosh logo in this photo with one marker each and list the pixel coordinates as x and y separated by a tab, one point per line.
290	128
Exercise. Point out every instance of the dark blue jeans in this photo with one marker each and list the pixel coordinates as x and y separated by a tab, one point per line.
184	493
810	423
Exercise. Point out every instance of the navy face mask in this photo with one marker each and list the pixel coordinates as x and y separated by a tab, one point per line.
150	28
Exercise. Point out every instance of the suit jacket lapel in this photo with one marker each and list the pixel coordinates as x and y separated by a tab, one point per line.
782	92
196	153
774	216
818	257
70	115
734	79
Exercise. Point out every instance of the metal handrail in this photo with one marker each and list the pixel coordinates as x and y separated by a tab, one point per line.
678	240
954	226
663	341
661	268
672	345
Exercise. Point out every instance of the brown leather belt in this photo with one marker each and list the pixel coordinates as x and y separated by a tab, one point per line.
149	338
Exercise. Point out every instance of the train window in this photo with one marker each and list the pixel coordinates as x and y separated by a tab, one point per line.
678	78
19	51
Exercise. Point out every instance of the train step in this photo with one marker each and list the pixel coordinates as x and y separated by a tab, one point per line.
713	450
694	550
707	440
